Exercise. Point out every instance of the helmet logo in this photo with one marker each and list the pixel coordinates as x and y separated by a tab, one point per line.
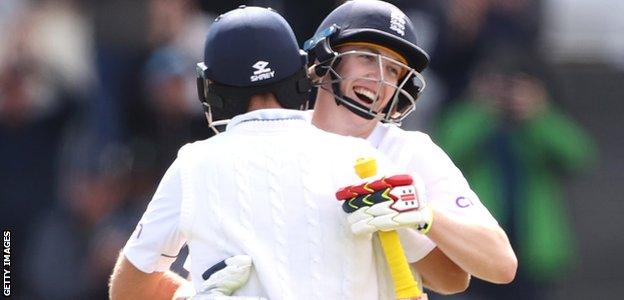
397	22
261	72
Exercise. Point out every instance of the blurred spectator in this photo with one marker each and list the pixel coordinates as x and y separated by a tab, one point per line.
120	31
174	115
37	100
467	28
72	250
515	147
33	114
180	25
169	114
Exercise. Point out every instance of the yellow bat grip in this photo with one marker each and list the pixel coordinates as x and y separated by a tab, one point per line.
405	285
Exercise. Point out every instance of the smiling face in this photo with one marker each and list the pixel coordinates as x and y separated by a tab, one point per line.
367	75
370	74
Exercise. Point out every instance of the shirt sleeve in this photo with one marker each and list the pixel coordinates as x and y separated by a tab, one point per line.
446	188
157	239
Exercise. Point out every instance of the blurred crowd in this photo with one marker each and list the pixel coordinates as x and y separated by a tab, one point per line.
96	97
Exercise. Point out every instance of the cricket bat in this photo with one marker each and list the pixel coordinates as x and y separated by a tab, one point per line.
405	286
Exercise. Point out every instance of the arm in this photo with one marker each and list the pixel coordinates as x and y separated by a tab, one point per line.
128	282
482	250
142	269
441	274
465	232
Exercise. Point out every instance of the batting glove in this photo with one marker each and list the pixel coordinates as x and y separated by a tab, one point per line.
387	204
224	278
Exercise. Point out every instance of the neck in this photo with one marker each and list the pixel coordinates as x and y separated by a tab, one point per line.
337	119
263	101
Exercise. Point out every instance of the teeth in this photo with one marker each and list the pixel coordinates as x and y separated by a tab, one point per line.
365	92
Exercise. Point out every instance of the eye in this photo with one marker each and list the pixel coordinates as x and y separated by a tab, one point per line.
393	71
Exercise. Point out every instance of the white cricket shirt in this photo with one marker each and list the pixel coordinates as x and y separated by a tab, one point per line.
445	186
266	188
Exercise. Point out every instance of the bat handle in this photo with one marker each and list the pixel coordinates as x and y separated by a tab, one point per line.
405	285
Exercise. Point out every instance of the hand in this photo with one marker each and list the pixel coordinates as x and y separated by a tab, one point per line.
387	204
225	278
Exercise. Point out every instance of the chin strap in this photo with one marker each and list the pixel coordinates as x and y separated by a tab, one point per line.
350	104
213	124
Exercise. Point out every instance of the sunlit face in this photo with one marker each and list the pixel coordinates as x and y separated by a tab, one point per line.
366	77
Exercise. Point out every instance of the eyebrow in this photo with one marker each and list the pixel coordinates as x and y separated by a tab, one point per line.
375	51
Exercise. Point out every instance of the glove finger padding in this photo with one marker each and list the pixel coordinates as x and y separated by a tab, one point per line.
387	204
367	200
230	278
367	220
359	215
381	209
370	193
359	221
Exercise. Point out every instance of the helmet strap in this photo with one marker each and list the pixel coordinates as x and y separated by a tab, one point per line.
350	104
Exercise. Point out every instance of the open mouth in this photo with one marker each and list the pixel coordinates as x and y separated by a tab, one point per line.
365	95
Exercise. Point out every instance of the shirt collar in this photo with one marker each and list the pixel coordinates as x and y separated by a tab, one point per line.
270	114
378	133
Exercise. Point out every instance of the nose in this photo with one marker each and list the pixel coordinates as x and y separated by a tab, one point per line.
378	68
374	71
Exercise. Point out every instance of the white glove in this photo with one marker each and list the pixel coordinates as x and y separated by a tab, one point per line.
408	210
229	276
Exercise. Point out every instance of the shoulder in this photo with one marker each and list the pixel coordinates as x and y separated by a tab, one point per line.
337	148
348	140
340	150
417	151
211	145
395	135
418	143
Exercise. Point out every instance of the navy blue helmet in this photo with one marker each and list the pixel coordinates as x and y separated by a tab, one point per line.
248	51
371	22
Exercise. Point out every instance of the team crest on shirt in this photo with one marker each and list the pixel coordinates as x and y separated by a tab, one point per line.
397	22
